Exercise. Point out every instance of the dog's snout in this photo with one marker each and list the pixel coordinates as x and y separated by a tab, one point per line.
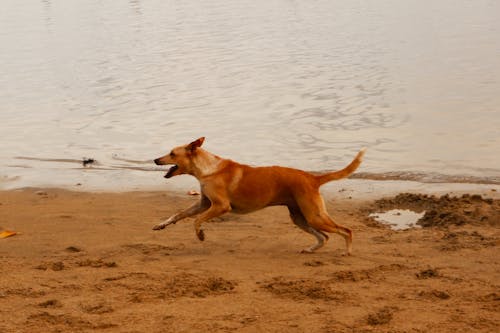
157	161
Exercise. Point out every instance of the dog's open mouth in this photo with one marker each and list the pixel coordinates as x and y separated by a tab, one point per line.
171	171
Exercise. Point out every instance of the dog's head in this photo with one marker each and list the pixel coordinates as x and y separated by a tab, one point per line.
181	157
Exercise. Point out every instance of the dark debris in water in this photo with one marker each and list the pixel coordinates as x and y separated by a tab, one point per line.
87	161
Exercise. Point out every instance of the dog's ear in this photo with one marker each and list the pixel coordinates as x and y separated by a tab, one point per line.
195	144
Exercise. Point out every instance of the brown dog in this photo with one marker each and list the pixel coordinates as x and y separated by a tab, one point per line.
229	186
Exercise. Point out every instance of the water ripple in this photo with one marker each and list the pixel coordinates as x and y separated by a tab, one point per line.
304	84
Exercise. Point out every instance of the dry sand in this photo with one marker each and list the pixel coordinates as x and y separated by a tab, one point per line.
87	262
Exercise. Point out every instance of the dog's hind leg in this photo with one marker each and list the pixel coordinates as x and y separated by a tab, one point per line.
329	225
300	221
197	208
317	217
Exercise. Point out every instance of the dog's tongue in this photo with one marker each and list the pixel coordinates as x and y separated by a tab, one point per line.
171	171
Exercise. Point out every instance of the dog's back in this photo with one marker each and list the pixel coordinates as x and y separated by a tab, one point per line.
253	188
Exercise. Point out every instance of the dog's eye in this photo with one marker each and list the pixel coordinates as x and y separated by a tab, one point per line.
172	154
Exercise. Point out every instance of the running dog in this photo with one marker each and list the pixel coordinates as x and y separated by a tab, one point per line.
228	186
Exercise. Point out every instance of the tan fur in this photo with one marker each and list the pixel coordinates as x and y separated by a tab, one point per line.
230	186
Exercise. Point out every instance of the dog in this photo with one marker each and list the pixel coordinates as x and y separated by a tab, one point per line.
228	186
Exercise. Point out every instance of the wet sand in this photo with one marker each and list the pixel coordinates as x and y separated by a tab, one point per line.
87	262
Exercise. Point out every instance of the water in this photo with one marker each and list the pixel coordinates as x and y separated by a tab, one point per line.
298	83
399	219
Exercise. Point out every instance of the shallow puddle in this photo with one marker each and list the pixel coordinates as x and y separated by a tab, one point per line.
398	219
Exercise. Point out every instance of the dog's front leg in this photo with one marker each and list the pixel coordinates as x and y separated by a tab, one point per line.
217	209
197	208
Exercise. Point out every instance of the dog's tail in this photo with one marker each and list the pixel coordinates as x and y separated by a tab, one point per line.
345	172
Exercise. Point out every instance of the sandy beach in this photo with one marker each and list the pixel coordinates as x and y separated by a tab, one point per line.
86	262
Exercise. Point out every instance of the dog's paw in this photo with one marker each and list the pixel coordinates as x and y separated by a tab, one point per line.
306	251
159	226
201	235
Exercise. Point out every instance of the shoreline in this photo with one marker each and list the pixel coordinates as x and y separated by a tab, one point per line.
357	186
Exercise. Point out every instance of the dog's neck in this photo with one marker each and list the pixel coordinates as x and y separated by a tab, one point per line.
206	163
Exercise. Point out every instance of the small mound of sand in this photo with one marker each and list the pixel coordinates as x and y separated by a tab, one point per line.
191	285
51	303
381	317
73	249
96	263
427	274
445	210
148	249
303	289
314	263
434	294
98	308
353	276
46	319
366	274
457	240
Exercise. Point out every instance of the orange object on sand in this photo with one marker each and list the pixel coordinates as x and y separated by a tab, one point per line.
7	233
